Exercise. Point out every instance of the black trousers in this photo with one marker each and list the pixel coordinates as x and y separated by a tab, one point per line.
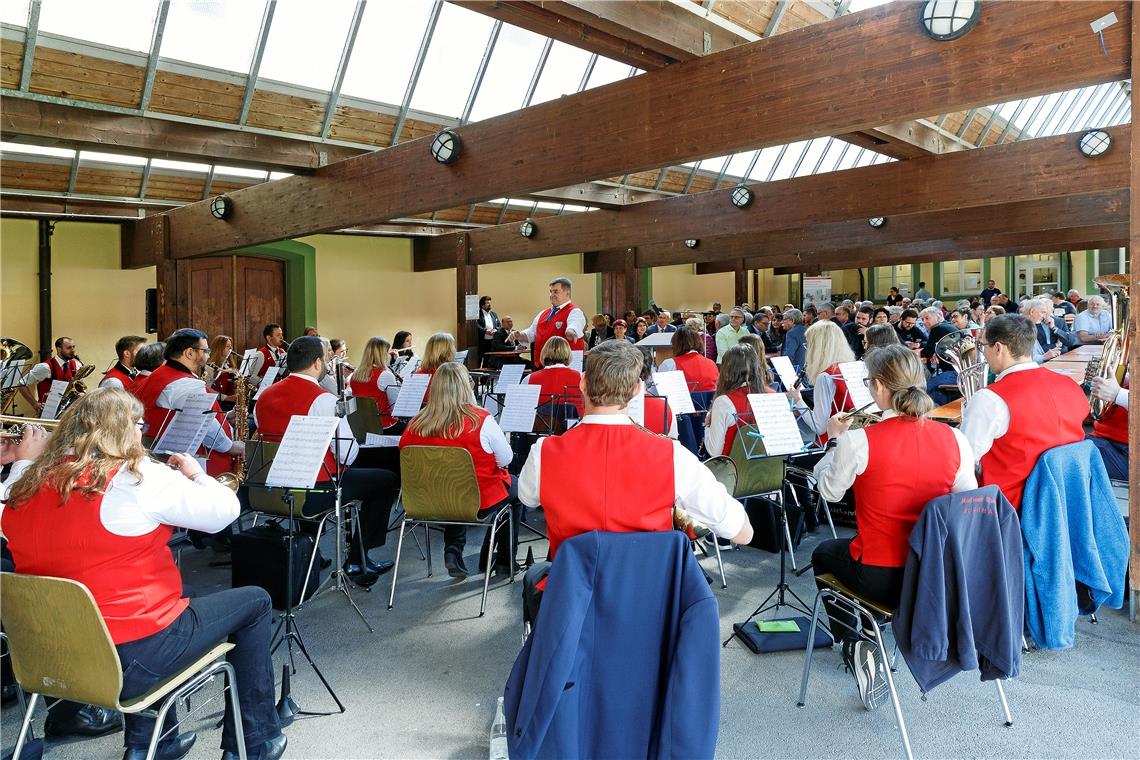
882	585
376	490
242	616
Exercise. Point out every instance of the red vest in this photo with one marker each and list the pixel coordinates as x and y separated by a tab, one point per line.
895	487
657	417
156	417
609	498
493	480
841	401
223	383
1113	424
739	399
700	373
548	328
66	372
558	381
1045	410
279	403
371	389
120	373
133	578
270	359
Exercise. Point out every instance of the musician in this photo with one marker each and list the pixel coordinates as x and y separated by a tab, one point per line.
558	381
488	324
608	498
1027	410
890	497
562	318
402	351
219	373
186	354
93	508
147	360
63	366
300	393
452	418
311	331
122	374
826	350
688	356
272	351
374	380
1094	323
440	350
795	341
1110	432
741	373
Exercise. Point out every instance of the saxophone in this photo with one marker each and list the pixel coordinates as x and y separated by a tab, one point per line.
1110	363
241	417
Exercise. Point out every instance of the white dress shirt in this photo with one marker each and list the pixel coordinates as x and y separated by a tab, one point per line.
258	360
494	441
575	324
176	392
822	397
324	405
697	491
1086	322
41	371
985	418
837	470
722	416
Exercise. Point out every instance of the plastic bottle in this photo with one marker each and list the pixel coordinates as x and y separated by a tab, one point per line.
499	734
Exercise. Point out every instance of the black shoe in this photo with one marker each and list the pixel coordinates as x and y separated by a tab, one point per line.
175	749
323	561
270	750
360	576
9	693
89	720
453	561
381	567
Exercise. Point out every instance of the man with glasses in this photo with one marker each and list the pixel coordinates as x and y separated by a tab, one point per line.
1094	323
729	335
1025	411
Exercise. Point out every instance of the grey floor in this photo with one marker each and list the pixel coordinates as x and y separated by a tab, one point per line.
425	683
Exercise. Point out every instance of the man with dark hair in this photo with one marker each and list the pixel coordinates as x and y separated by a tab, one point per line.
853	331
186	353
561	318
989	292
922	292
63	366
1025	411
122	374
907	328
300	393
489	323
271	352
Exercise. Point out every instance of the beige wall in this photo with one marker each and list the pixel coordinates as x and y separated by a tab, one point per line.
519	288
679	287
93	301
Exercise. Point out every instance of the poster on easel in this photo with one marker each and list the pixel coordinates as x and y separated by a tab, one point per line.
817	290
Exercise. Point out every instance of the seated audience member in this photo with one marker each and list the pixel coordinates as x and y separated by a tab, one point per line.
909	333
1050	342
311	332
300	393
621	329
708	340
879	335
795	342
122	374
120	509
943	373
609	499
881	316
558	381
373	379
452	418
890	497
741	373
659	416
1066	308
855	330
662	325
963	319
826	350
1110	432
1094	323
1025	411
894	314
700	373
1074	297
601	331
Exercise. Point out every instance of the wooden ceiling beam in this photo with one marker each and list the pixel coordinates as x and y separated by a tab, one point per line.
869	68
53	125
1022	171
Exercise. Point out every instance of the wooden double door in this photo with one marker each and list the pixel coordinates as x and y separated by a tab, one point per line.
235	296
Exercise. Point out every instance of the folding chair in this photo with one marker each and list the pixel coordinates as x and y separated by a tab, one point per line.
61	649
440	488
366	419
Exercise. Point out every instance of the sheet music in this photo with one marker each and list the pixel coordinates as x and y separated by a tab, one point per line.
302	452
784	370
267	380
247	359
672	385
460	357
519	408
577	359
51	403
853	374
376	440
776	423
10	373
636	408
510	374
187	428
410	366
411	396
491	405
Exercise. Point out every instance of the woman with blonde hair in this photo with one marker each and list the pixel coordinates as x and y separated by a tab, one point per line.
452	418
558	381
373	379
827	348
93	508
890	496
740	374
440	350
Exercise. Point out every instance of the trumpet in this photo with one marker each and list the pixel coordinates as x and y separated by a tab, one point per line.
860	418
228	479
12	428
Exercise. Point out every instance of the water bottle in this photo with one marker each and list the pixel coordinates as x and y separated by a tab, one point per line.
499	734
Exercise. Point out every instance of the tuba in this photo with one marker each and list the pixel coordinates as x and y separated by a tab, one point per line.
1110	363
961	351
13	355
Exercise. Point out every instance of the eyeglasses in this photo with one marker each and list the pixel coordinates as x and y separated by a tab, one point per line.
867	382
206	351
142	426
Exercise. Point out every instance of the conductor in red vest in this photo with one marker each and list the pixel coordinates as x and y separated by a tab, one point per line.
561	318
301	394
1025	411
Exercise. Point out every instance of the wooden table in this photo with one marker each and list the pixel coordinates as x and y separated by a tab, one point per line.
951	412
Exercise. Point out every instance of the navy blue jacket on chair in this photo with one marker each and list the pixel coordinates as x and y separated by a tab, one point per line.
624	661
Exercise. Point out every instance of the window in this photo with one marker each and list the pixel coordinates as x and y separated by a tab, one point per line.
1110	261
1038	274
894	276
962	278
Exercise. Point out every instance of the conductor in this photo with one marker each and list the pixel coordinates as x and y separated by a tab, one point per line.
561	318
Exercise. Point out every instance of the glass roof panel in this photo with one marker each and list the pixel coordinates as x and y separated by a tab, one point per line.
35	150
279	175
296	55
766	162
14	12
787	163
814	152
607	70
111	158
739	164
452	60
183	166
381	62
237	171
562	73
230	27
509	72
124	23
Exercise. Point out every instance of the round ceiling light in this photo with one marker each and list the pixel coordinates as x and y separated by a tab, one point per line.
946	20
741	196
877	221
222	207
1095	142
445	146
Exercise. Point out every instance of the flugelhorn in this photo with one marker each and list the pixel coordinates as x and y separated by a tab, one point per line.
860	418
1110	363
12	428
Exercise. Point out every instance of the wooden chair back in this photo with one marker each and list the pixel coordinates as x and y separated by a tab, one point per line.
438	483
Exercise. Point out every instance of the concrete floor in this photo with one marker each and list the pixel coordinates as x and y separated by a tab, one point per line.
425	684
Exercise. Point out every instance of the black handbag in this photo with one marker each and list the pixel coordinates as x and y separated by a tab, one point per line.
260	557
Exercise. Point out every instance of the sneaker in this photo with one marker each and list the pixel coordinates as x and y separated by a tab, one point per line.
453	561
869	676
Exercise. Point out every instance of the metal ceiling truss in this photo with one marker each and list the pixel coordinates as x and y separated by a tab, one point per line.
255	62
